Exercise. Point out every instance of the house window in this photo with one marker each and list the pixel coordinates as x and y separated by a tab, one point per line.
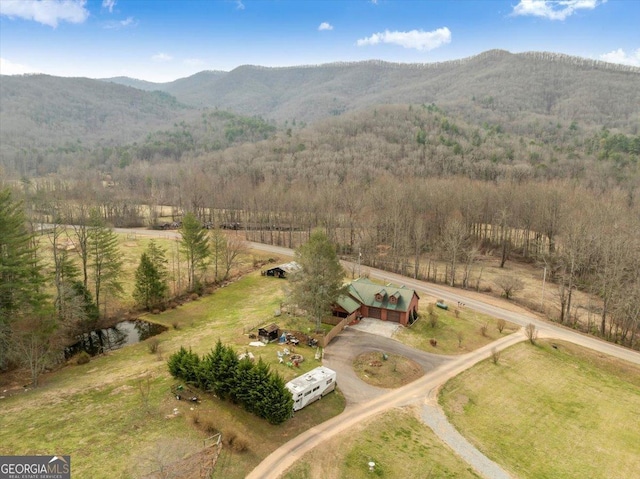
329	381
378	297
393	299
316	388
307	393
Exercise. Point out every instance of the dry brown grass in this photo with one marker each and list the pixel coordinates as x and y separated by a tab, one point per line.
392	372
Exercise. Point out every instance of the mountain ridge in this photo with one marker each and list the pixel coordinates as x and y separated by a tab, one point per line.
549	84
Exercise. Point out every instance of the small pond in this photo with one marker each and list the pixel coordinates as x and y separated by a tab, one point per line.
109	339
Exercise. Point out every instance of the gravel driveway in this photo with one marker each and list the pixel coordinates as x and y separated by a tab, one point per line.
353	341
343	350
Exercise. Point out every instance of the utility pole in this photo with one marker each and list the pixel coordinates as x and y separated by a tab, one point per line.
544	278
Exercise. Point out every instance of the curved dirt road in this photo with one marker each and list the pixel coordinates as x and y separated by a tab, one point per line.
283	457
425	388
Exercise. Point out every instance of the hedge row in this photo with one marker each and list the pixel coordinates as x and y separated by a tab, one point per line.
251	384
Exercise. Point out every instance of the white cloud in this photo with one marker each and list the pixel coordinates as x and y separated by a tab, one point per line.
325	26
418	39
620	56
7	67
161	57
48	12
109	4
129	22
554	9
239	5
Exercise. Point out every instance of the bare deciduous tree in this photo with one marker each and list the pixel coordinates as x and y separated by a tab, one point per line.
531	332
510	285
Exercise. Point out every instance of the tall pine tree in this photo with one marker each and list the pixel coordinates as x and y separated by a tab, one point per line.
194	244
21	296
319	284
104	259
151	285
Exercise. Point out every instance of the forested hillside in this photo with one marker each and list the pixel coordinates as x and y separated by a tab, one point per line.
495	86
529	157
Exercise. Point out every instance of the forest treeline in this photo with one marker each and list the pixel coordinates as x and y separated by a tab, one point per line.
58	282
404	186
587	239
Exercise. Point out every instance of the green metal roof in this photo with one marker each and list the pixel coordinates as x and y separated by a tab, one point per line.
348	304
365	291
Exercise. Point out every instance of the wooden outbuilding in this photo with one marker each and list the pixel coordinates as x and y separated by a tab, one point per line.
269	333
283	270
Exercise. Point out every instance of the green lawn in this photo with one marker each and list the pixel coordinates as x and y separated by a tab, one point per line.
447	329
97	413
551	413
399	444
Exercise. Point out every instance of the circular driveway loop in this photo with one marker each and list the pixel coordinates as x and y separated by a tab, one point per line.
351	342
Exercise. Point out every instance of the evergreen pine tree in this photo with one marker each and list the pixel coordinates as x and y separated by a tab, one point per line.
104	259
194	244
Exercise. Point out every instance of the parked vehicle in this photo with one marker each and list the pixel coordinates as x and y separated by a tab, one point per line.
311	386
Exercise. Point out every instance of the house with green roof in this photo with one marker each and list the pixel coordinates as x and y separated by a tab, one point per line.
389	303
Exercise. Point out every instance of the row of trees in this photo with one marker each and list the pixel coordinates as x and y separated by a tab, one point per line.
241	381
56	286
562	226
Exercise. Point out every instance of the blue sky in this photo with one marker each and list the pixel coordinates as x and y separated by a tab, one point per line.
162	40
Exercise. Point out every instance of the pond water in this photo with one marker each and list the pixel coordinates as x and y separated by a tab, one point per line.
110	339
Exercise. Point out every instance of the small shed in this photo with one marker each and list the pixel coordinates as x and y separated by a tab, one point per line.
269	333
282	270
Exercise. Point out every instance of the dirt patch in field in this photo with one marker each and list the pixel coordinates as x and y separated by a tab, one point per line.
386	370
458	404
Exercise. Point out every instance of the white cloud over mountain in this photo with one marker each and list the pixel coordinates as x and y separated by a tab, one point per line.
554	9
620	56
8	67
417	39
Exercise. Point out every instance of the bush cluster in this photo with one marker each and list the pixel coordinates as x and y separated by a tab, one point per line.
260	391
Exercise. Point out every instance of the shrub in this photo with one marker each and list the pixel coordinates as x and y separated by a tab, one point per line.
495	355
83	358
208	427
153	345
185	365
433	342
483	329
240	445
500	324
229	437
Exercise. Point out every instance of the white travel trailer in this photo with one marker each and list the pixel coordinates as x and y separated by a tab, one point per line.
311	386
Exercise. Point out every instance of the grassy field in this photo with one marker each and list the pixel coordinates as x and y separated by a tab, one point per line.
544	412
393	372
114	415
453	335
399	444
